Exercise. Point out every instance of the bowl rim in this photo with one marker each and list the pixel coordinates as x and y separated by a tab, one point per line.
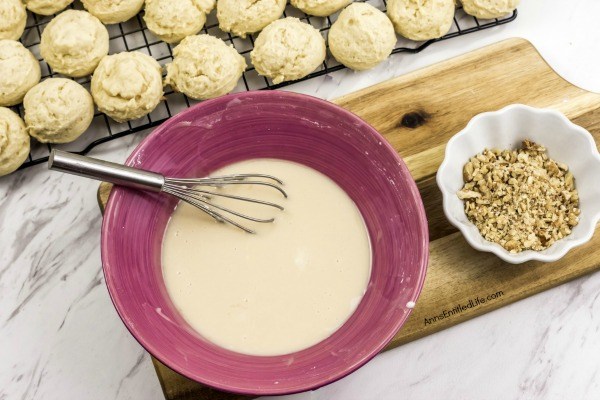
487	246
367	355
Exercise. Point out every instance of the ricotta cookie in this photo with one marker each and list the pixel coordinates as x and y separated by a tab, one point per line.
127	85
172	20
113	11
14	141
421	20
362	37
204	67
74	42
288	49
242	17
488	9
320	8
46	7
13	17
58	110
19	72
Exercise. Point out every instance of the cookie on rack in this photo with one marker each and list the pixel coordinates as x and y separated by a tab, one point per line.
242	17
361	37
113	11
46	7
173	20
13	17
204	67
127	85
489	9
19	72
14	141
288	49
320	8
58	110
421	20
74	42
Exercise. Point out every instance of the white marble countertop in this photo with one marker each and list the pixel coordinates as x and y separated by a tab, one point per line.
60	337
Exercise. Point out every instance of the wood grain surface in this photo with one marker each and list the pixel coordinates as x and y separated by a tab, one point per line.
418	113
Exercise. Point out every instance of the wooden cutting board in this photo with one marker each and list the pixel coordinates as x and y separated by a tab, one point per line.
418	113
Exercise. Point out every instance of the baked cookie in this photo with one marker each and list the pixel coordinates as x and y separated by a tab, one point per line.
320	8
14	141
204	67
46	7
206	6
19	72
421	19
127	85
242	17
488	9
288	49
113	11
13	17
172	20
362	37
58	110
74	42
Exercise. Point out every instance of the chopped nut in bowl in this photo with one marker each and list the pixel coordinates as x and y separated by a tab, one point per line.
523	183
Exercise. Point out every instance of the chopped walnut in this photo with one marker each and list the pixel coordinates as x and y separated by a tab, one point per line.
520	199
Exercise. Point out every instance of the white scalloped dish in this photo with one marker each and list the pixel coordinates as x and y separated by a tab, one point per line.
506	129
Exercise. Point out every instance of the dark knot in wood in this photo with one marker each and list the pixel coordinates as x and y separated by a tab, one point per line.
414	119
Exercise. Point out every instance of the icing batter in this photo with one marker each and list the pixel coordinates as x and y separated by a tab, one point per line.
283	289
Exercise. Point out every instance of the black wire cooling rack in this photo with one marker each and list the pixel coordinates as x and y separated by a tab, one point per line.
133	35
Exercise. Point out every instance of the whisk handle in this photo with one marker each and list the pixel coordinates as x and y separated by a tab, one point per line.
105	171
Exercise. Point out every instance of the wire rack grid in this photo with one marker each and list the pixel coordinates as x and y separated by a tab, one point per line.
133	35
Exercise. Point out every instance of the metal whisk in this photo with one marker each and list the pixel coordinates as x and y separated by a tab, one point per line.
193	191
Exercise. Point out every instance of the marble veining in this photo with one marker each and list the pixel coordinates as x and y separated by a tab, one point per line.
60	337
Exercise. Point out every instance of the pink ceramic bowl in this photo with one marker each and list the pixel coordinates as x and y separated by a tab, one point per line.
267	125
